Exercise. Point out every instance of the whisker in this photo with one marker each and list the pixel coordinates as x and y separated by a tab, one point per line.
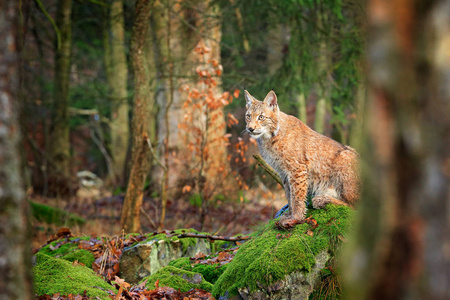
243	131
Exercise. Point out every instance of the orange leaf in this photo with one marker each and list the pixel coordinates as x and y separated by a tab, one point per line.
186	189
236	93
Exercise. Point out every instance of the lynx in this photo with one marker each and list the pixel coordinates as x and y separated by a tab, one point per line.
307	161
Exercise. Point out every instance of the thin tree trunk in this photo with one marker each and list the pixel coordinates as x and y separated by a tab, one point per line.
321	110
117	78
130	220
301	101
357	128
60	145
400	247
321	105
15	262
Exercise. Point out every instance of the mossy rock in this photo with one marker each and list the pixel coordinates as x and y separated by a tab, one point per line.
272	254
178	279
211	272
148	256
53	275
52	215
83	256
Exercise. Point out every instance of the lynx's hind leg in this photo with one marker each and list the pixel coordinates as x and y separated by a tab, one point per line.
321	200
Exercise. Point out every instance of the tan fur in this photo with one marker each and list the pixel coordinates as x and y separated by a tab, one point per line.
307	161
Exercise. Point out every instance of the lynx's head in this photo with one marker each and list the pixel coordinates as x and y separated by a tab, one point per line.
261	118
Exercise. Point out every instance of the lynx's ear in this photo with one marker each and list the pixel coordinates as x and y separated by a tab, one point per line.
271	100
248	98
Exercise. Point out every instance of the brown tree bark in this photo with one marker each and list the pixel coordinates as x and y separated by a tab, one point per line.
130	221
15	254
59	144
117	71
401	246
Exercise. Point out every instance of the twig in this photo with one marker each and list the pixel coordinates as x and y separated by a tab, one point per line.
152	151
148	218
214	237
268	168
50	19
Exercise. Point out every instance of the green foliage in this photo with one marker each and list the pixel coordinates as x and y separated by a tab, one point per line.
274	253
82	256
53	275
178	279
53	215
196	200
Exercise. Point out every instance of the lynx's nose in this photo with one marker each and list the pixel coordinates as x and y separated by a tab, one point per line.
251	129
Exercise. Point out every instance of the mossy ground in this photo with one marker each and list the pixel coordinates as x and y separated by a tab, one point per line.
83	256
53	275
53	215
172	277
64	249
274	253
210	272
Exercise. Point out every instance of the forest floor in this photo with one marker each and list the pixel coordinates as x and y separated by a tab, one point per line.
102	213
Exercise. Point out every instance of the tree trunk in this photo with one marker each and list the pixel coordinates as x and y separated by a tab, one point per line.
15	254
59	144
400	249
323	64
130	221
117	71
301	102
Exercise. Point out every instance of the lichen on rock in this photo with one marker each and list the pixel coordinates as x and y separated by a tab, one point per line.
53	275
262	265
147	257
178	279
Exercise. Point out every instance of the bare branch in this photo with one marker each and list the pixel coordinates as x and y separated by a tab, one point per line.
268	168
214	237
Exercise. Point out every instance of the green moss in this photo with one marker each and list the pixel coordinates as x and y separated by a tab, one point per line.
82	256
63	249
53	215
210	272
183	263
220	245
178	279
274	253
54	275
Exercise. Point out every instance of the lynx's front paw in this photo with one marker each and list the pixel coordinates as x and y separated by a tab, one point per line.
287	221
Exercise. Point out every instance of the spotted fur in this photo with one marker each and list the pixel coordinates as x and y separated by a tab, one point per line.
307	161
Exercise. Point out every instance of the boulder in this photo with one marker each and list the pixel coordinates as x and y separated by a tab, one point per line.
285	264
147	257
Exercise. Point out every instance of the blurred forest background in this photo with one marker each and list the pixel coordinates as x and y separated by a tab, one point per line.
139	103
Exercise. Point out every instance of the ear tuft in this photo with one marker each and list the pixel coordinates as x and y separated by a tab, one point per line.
248	98
271	100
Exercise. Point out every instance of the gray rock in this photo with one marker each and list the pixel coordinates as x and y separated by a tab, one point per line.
295	286
146	258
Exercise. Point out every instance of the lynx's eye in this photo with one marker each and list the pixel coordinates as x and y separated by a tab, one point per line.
261	117
247	117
